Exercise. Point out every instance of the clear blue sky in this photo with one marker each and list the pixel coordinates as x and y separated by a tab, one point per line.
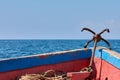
58	19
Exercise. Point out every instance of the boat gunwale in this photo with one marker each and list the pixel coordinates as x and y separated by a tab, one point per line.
45	54
110	56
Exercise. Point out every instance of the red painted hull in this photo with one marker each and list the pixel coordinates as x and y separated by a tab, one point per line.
105	70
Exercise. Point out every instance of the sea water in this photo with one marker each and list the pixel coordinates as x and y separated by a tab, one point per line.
18	48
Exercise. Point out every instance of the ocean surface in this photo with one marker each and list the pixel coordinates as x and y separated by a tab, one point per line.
17	48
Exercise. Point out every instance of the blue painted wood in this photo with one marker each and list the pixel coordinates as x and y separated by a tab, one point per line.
27	62
108	58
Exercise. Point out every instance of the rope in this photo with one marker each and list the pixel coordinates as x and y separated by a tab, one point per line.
47	75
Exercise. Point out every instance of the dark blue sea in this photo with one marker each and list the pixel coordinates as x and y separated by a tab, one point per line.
17	48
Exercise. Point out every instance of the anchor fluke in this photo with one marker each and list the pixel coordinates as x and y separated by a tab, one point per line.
104	31
88	30
85	46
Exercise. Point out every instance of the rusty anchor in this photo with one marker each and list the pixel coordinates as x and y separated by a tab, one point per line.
96	38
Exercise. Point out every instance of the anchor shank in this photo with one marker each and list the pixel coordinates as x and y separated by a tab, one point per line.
93	53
